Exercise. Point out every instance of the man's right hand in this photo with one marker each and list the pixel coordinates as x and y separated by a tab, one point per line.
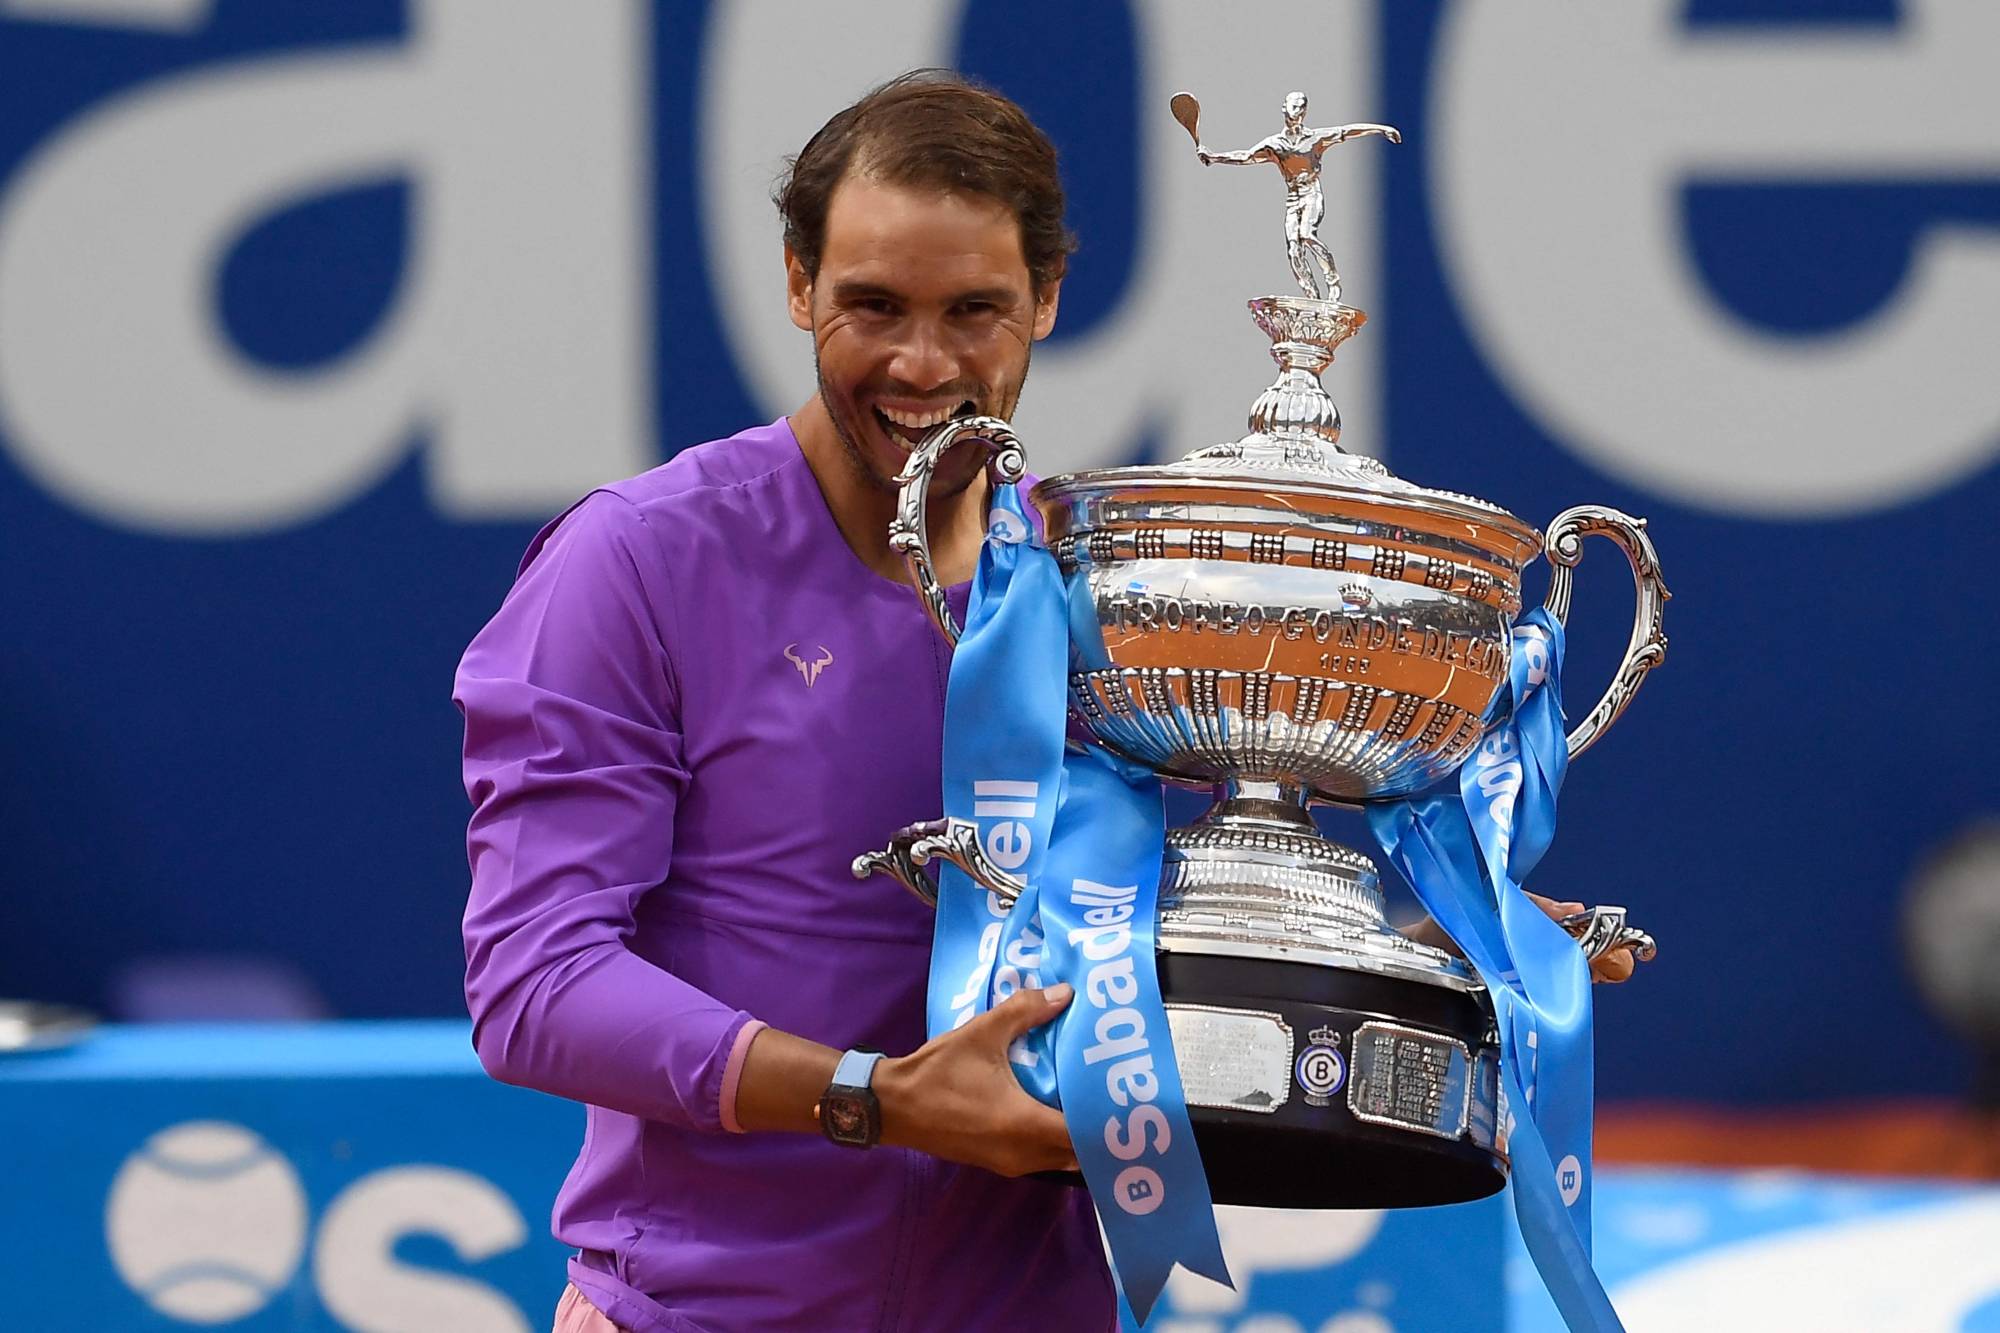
956	1096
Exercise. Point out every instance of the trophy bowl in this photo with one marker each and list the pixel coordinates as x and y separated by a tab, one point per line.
1288	623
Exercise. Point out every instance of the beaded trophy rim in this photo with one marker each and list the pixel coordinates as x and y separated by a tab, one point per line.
1448	505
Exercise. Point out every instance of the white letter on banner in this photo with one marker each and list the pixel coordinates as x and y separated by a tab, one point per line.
1120	1032
1112	983
1179	355
1132	1080
1130	1144
1101	942
516	340
1008	844
1560	137
364	1286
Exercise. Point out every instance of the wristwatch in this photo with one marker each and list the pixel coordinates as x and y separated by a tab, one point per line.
848	1112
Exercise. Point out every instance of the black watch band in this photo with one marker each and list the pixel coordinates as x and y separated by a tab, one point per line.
848	1111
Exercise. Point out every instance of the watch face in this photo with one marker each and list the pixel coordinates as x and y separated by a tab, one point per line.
848	1119
845	1118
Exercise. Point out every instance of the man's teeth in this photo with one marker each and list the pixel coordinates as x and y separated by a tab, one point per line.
919	420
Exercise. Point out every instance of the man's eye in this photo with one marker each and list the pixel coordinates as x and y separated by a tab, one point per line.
875	305
976	308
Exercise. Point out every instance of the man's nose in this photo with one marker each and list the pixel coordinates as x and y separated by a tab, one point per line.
924	359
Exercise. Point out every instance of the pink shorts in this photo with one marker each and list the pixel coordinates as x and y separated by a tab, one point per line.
575	1314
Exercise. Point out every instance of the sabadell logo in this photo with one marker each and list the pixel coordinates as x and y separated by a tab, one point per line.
208	1224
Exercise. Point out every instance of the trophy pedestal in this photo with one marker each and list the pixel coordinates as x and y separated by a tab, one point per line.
1327	1061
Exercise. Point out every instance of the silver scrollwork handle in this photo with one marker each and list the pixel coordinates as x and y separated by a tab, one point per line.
909	533
897	863
953	840
1599	930
1648	645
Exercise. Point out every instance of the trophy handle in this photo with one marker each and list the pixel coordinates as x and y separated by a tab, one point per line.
1599	930
908	531
953	840
1648	645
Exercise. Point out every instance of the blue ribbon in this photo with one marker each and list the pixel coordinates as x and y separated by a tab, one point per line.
1086	831
1466	854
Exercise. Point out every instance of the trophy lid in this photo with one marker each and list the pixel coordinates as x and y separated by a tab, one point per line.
1291	456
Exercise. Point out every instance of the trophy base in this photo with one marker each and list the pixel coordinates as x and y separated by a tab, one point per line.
1326	1060
1305	1093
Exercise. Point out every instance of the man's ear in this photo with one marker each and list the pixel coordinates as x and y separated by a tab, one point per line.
799	291
1046	301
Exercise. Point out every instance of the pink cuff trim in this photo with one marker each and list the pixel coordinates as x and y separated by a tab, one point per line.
732	1071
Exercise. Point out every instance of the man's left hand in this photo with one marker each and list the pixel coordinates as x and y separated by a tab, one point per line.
1614	966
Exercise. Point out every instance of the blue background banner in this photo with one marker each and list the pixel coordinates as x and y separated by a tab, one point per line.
353	1176
370	1176
310	314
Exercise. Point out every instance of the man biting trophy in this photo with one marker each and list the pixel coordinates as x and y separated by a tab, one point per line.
708	686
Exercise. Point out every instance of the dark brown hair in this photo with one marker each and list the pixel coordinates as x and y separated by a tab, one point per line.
931	127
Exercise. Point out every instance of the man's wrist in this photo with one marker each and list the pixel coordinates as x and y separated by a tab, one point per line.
891	1086
848	1111
1426	931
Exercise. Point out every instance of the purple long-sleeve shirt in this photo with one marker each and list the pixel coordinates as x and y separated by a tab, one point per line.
694	708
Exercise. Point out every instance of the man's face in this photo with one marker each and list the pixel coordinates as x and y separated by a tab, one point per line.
922	310
1295	108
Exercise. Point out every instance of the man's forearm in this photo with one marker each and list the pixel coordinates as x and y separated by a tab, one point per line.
602	1026
781	1081
955	1097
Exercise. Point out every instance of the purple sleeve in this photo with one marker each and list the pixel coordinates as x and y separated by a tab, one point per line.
574	764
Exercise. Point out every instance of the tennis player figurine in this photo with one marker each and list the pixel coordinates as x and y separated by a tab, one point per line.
1297	151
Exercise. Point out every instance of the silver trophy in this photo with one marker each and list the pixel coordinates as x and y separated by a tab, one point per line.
1288	623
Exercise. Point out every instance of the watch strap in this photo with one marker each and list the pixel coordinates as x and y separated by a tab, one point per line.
856	1069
